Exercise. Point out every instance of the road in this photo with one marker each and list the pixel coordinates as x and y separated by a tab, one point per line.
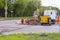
10	26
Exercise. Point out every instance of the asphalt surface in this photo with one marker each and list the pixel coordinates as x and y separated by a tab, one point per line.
15	26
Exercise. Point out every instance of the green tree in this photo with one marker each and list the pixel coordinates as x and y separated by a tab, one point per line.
2	8
10	8
24	7
1	3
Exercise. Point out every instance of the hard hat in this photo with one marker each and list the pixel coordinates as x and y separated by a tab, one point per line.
35	16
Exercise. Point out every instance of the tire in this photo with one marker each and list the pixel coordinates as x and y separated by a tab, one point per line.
53	21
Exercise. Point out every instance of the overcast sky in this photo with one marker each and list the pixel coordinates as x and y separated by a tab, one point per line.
54	3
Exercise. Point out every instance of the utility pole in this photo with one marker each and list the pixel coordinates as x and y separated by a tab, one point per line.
5	8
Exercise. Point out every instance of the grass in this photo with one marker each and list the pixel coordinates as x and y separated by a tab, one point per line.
51	36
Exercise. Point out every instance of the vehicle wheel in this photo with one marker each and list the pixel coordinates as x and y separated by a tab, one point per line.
53	21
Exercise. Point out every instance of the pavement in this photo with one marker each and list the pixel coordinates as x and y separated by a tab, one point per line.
15	26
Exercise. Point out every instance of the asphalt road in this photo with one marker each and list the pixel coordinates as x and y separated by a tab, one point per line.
12	26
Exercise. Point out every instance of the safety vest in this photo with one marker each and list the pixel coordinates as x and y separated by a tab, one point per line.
58	20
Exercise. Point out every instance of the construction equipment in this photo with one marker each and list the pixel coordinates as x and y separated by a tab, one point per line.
45	20
49	17
35	18
52	14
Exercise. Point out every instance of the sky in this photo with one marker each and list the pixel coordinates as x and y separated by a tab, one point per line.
54	3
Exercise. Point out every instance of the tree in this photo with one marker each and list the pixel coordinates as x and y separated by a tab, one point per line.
1	3
10	8
2	8
24	7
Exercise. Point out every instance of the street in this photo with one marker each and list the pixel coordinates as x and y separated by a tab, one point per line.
11	26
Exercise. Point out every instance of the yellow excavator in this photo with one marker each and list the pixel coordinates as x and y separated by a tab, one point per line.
45	20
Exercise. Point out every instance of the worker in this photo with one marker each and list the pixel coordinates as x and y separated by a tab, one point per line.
58	20
35	18
27	20
36	12
22	20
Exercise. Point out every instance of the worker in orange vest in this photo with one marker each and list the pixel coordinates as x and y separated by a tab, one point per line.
27	20
58	20
22	20
35	18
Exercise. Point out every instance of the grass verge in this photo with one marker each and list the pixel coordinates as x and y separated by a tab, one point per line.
51	36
